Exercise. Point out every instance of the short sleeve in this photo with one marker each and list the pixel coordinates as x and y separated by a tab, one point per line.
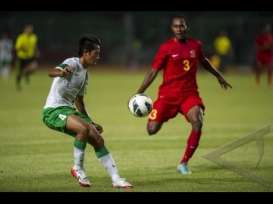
160	58
68	62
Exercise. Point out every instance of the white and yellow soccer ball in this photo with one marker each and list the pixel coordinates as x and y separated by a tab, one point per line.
140	105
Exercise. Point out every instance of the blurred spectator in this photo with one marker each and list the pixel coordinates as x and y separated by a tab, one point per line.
264	54
6	45
223	51
27	53
215	60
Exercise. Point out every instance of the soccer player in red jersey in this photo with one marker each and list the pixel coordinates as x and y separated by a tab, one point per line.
178	57
264	54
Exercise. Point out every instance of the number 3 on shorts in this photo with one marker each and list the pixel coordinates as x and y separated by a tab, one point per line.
153	114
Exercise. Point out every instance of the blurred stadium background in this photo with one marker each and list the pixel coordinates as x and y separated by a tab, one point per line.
131	38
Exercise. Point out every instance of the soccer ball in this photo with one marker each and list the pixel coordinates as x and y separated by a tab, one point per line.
140	105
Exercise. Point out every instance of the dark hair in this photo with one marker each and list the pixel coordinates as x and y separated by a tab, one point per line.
88	43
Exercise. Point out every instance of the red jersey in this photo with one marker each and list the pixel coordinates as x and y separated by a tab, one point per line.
179	61
265	56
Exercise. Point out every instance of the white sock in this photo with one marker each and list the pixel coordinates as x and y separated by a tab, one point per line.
78	157
109	164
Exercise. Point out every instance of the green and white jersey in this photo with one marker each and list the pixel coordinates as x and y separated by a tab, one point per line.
64	91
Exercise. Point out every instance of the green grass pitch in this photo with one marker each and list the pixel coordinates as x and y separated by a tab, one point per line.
35	158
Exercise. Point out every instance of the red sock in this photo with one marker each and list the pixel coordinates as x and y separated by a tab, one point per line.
192	144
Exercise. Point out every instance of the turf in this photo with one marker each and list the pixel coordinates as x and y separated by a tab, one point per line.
35	158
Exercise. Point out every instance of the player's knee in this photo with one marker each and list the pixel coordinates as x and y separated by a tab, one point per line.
95	138
152	129
100	141
197	124
84	131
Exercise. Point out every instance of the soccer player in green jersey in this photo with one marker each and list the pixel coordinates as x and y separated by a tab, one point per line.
67	89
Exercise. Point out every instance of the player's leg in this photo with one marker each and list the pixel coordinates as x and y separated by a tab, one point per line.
154	123
63	119
195	117
30	68
106	158
20	65
153	127
78	126
67	120
88	133
83	134
193	108
162	112
4	68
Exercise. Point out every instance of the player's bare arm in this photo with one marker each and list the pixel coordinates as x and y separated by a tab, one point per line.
53	72
207	65
79	103
149	78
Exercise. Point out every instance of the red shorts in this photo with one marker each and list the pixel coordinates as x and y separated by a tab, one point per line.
165	109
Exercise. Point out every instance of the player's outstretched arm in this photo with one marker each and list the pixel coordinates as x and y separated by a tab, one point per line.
79	102
149	78
53	72
208	66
